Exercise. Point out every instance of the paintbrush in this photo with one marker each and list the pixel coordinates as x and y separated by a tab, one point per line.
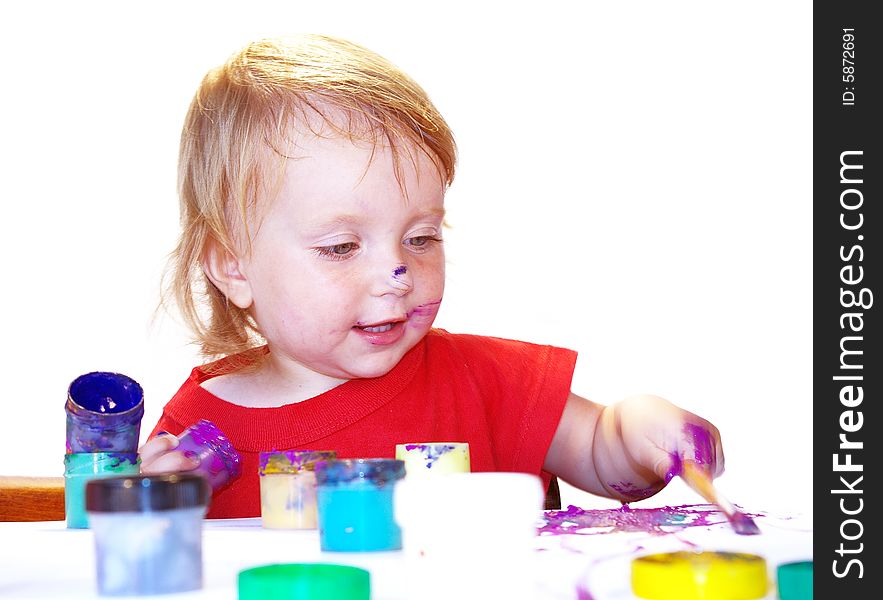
700	481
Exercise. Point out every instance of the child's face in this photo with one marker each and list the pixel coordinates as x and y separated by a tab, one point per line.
345	274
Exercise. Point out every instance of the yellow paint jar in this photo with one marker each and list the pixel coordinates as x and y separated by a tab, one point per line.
700	576
427	459
288	488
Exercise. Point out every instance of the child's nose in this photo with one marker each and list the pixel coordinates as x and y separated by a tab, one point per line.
395	279
401	278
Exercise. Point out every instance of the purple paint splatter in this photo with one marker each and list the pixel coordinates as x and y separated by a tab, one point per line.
431	452
664	520
400	270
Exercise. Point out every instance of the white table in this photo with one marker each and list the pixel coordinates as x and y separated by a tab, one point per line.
47	560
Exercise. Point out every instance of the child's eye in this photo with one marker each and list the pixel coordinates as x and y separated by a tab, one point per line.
337	251
421	242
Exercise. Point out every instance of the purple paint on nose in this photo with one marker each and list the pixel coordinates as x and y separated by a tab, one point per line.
400	270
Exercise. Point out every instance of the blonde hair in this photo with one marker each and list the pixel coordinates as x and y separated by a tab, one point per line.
233	149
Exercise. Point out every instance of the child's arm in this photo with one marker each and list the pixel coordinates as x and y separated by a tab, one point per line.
630	450
158	455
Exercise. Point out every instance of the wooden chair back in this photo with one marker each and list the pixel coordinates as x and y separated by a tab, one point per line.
31	498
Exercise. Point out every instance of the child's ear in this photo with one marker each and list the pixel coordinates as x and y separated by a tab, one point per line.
224	270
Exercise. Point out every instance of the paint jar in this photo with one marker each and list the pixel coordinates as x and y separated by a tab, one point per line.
434	458
148	532
104	413
83	467
288	488
355	502
699	576
795	580
481	526
308	581
218	460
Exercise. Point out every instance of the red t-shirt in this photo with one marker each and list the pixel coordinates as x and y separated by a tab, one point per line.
503	397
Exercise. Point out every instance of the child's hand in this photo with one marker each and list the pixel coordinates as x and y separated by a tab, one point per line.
630	450
652	437
158	455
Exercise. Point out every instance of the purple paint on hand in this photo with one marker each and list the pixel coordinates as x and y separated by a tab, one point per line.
629	490
703	451
702	445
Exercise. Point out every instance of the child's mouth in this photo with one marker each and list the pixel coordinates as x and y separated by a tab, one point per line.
381	334
377	328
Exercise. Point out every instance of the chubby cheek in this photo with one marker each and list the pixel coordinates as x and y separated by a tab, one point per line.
430	282
429	274
301	311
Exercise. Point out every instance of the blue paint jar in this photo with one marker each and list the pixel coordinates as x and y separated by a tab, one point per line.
355	504
104	413
148	532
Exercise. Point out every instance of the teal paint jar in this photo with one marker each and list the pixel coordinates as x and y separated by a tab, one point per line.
355	504
81	468
795	580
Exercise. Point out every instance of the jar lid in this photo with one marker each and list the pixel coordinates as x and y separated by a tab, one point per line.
378	471
143	493
795	580
699	575
318	581
289	462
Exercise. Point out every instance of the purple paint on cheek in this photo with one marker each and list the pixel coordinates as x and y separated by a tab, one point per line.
401	270
430	309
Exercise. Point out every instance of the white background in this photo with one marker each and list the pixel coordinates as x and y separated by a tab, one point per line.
634	183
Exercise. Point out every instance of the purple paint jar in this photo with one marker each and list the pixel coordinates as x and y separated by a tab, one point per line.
104	413
148	532
218	460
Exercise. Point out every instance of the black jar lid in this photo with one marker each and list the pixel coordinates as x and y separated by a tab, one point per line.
142	493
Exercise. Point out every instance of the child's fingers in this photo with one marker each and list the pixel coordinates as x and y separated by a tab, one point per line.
171	462
156	447
720	463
